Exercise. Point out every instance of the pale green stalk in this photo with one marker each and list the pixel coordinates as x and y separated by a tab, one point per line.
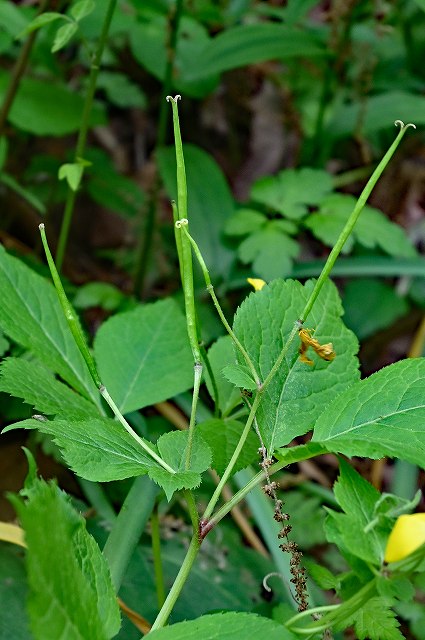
77	332
157	561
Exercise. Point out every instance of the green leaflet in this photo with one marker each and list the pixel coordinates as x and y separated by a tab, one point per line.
222	436
31	315
383	415
298	393
97	449
375	621
221	354
38	387
143	355
71	594
224	626
172	448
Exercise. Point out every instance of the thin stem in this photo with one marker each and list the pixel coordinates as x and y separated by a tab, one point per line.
129	526
18	71
157	562
210	289
347	230
197	377
179	582
229	468
96	496
130	430
304	454
84	126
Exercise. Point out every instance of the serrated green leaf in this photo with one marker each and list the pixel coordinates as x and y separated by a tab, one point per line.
372	228
383	415
375	621
239	375
173	450
244	222
205	184
226	626
143	355
292	190
298	393
321	576
38	387
71	594
220	354
64	35
44	107
82	9
357	498
270	251
253	43
31	315
72	173
399	587
222	436
97	449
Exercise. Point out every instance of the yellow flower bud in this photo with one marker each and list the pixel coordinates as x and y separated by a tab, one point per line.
257	283
408	534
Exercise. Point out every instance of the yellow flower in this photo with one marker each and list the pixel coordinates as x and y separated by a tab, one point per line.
408	534
257	283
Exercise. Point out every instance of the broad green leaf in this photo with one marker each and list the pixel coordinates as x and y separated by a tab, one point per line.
12	18
293	190
371	305
375	621
299	392
13	594
99	294
248	44
383	415
46	108
324	578
221	354
372	229
64	35
240	376
81	9
143	355
41	21
270	251
173	448
38	387
222	436
72	173
97	449
4	344
120	90
357	499
71	593
210	203
380	112
244	222
31	315
226	626
393	586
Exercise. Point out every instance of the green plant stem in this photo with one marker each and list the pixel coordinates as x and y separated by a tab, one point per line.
216	495
130	430
18	71
195	396
157	562
348	228
304	454
129	526
217	305
96	496
82	134
179	582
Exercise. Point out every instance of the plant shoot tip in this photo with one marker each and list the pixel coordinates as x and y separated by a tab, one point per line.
181	223
400	123
175	99
41	226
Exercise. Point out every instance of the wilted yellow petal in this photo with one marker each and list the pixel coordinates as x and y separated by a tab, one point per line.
257	283
12	533
408	534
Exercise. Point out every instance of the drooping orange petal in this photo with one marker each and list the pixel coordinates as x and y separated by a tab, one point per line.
408	534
